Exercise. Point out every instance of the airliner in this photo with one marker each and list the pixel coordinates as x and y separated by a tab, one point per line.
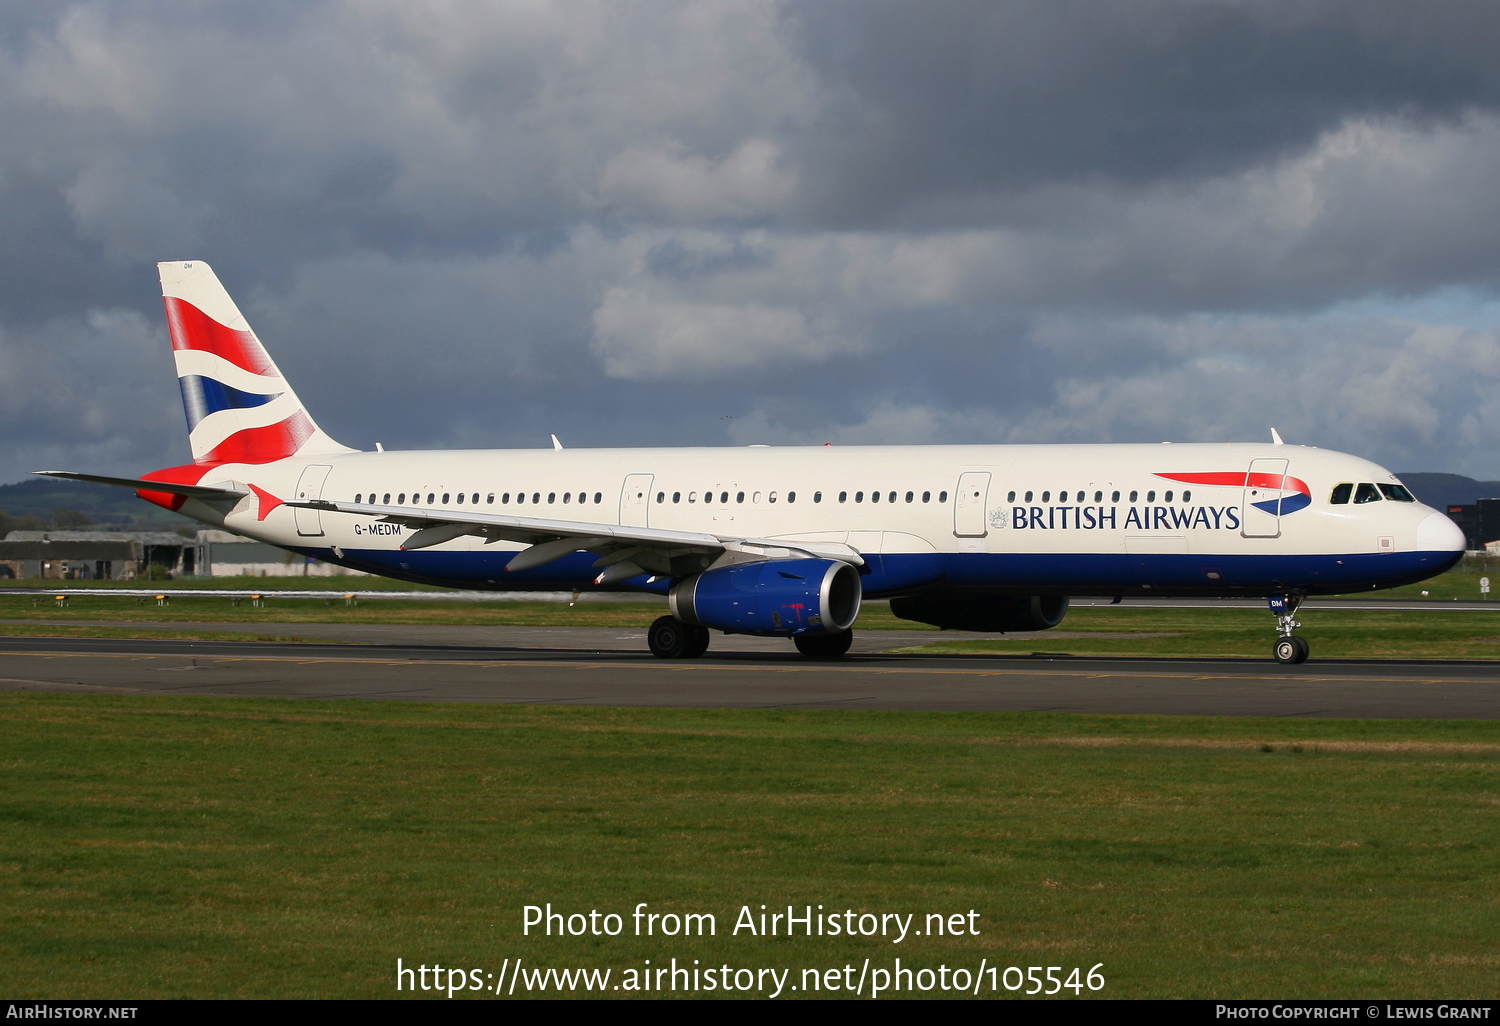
784	541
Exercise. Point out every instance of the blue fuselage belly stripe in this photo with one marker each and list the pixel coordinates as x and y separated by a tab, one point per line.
897	573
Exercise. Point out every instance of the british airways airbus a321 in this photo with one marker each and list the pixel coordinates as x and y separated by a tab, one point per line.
784	541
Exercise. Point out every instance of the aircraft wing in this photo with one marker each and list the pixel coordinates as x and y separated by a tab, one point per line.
141	484
623	551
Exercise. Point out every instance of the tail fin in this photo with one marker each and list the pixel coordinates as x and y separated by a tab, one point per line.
239	407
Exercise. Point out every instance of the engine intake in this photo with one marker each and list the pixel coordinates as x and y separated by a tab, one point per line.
779	597
986	613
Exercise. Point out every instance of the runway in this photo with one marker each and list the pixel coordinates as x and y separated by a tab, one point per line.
600	666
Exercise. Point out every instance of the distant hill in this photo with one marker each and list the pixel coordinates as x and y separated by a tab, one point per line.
43	503
1449	489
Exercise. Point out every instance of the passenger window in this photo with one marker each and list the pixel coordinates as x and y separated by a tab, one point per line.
1028	496
386	501
676	496
520	498
1009	497
598	496
942	496
536	497
661	497
859	496
460	498
1133	496
1187	496
909	496
489	500
567	497
1046	496
874	497
692	496
1098	496
1151	496
1114	496
927	496
772	496
1397	493
1167	497
551	497
755	498
359	496
401	499
445	498
843	496
724	498
1366	493
1341	493
892	497
739	496
474	499
792	497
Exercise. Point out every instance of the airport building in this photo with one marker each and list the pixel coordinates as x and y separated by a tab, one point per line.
222	554
144	555
1480	523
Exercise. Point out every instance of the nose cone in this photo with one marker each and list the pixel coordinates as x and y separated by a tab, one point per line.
1439	534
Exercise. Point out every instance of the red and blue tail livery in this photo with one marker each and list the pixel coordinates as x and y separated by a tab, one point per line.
239	407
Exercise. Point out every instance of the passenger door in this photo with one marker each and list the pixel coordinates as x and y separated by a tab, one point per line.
309	487
1260	512
635	501
969	500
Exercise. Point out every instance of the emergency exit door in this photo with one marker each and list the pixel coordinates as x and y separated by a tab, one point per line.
635	501
1260	512
310	487
969	501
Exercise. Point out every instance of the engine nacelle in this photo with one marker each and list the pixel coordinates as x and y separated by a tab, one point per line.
776	597
985	613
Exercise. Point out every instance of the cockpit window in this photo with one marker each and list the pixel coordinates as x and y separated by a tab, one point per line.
1366	493
1341	493
1397	493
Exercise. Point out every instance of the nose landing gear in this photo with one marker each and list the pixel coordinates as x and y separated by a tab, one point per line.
1289	650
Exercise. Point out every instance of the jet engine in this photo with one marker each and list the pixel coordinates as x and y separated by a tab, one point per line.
987	613
778	597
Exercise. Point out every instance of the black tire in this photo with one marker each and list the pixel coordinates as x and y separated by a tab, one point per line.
669	637
1290	651
697	644
824	646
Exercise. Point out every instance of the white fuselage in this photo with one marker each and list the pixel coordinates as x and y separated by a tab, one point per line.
1062	519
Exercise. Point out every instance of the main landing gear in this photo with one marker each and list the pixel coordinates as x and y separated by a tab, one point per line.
1289	649
670	638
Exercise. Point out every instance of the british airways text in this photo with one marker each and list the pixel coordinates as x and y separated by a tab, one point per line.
1142	518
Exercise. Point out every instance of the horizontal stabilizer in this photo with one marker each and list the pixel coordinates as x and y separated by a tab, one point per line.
142	485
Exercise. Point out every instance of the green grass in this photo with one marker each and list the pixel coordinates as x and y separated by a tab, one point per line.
199	847
1249	633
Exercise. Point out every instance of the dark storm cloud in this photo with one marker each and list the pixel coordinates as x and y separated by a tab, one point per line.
649	223
986	97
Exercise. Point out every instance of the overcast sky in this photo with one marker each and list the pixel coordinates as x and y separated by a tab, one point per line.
473	224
